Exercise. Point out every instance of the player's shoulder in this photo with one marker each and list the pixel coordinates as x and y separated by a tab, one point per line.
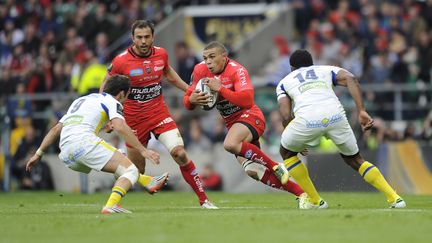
200	67
108	100
233	67
122	54
95	96
325	67
159	50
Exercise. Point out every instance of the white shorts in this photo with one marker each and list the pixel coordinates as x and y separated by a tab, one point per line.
86	153
302	133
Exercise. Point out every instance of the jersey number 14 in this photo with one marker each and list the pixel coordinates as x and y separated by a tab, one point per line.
310	74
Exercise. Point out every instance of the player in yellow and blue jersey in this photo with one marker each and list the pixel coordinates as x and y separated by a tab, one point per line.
83	150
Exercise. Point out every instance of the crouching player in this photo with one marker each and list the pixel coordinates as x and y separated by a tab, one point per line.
82	150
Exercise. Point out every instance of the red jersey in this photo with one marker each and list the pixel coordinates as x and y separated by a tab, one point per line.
234	77
146	75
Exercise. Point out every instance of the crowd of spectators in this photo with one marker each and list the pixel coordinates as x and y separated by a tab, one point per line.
58	46
384	43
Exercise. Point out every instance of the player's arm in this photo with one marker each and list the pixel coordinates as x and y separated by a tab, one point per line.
49	139
349	80
103	83
114	68
285	108
243	93
175	79
120	126
194	97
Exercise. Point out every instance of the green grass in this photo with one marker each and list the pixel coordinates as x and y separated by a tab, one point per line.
176	217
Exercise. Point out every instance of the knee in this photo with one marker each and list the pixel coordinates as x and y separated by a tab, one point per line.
231	147
130	173
252	174
285	153
354	161
254	170
179	155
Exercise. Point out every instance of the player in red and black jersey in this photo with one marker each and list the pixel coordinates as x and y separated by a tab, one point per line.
145	110
244	120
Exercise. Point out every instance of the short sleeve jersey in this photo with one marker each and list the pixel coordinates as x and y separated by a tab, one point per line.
310	89
88	114
146	74
234	77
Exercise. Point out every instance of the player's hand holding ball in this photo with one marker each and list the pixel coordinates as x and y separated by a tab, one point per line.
199	97
203	95
213	83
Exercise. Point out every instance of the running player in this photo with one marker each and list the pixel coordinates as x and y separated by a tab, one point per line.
244	119
307	91
145	108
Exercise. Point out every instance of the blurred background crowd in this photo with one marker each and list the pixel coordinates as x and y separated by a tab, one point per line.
64	47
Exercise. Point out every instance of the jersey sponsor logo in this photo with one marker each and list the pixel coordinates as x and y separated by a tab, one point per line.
136	72
120	109
72	157
144	94
253	157
75	119
325	122
226	108
149	77
313	85
158	68
165	121
248	154
148	69
242	76
159	62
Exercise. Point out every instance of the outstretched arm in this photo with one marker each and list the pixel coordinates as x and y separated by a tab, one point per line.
175	79
348	80
49	139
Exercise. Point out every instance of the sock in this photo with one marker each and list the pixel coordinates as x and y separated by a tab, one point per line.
144	180
253	153
115	197
300	173
373	176
271	180
191	176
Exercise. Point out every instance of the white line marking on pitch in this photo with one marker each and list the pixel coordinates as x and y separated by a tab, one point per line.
399	210
74	205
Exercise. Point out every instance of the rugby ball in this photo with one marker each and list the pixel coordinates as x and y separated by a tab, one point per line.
213	95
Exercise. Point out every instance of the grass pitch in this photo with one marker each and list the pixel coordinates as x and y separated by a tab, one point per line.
176	217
